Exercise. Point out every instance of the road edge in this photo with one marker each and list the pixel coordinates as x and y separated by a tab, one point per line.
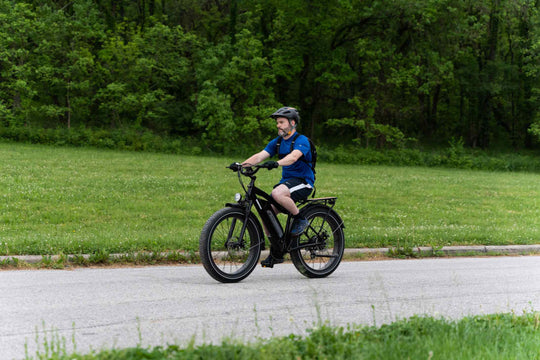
357	253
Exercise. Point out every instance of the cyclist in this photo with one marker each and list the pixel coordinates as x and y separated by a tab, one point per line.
297	175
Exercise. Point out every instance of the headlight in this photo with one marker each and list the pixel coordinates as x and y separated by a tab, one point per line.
237	197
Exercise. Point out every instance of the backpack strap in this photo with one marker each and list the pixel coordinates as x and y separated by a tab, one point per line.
281	156
303	158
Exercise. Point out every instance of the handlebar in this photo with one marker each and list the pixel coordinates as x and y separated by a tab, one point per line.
248	170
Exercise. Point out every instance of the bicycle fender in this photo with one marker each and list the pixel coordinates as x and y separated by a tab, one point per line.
323	208
235	205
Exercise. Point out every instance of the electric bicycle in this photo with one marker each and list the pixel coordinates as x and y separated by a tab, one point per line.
232	239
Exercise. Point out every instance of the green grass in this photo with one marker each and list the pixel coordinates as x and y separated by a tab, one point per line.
499	336
60	200
412	206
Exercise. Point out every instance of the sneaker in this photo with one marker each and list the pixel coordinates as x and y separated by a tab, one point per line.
299	226
270	261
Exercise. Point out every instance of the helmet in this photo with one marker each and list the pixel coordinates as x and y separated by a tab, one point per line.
287	112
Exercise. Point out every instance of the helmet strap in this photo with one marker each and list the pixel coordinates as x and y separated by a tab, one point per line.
291	128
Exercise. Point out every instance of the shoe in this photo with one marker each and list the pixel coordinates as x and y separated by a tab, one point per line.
299	226
270	261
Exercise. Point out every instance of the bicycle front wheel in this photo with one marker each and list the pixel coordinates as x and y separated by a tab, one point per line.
229	246
319	250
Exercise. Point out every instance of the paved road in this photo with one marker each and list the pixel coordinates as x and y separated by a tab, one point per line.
159	305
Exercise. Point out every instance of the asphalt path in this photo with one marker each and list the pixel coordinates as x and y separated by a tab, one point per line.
92	309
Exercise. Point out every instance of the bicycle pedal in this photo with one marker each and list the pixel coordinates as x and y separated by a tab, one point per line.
270	262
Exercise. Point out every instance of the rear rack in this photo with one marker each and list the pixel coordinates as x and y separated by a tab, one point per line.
331	200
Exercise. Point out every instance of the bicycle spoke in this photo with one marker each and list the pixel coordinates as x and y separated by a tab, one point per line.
230	246
320	248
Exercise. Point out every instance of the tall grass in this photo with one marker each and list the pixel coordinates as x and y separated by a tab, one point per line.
491	337
60	200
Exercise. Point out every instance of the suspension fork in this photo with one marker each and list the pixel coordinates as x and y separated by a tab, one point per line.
231	232
246	205
246	219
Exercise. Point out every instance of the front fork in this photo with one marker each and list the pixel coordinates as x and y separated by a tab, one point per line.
248	216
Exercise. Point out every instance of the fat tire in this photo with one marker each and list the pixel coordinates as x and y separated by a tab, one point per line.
237	260
324	224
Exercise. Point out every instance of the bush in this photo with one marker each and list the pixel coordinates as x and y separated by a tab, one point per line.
455	155
119	139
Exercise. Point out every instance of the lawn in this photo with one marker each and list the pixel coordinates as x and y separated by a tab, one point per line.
58	200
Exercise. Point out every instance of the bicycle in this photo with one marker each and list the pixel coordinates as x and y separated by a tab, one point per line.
232	239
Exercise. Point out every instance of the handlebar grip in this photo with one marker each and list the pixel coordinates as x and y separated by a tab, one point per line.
269	165
235	166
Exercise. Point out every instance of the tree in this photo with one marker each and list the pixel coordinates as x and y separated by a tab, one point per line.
212	70
235	85
65	63
363	124
16	84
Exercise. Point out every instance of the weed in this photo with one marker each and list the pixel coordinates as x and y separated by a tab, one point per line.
100	257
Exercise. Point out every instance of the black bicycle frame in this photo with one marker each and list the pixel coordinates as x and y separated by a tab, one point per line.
263	203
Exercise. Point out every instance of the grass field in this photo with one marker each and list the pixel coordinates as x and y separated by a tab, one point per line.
499	336
74	201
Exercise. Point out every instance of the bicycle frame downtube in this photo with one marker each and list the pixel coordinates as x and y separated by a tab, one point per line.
263	203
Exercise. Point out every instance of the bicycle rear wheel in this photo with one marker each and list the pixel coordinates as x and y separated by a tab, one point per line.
226	254
319	250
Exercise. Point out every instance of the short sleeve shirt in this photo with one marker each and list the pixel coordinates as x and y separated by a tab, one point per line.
300	169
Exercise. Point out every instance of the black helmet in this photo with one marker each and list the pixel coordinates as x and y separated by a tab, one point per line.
287	112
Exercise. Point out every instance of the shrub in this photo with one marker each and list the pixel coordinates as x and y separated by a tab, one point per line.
455	155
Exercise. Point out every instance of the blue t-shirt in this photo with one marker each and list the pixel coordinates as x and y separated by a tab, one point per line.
300	169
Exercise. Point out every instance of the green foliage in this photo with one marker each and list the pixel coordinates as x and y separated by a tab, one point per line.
497	336
363	123
235	92
375	74
121	139
455	155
